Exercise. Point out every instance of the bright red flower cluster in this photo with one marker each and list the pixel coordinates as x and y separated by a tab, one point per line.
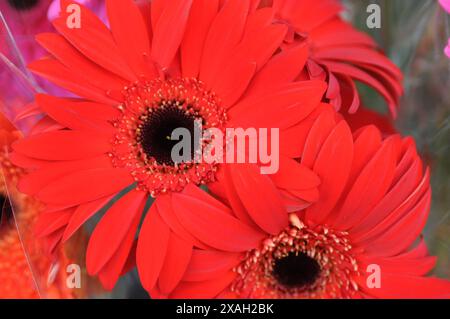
341	201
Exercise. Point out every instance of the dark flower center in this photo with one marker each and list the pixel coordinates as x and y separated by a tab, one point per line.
299	262
23	5
296	270
156	132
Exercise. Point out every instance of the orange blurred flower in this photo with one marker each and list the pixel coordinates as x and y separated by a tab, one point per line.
25	270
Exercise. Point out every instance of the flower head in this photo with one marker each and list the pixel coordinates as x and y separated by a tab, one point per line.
162	65
360	240
338	52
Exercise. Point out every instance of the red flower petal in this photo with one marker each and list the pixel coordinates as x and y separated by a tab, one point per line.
164	204
369	188
281	69
317	135
77	63
367	143
282	108
130	34
59	74
52	221
112	229
81	214
23	161
213	226
151	248
79	115
177	259
249	56
224	34
399	264
292	175
293	139
63	145
200	19
395	198
403	286
72	190
203	289
364	77
233	81
337	149
168	31
94	40
209	264
231	196
260	198
307	15
399	230
37	180
110	273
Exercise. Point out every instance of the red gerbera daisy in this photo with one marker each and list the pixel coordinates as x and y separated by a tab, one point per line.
338	52
361	240
161	66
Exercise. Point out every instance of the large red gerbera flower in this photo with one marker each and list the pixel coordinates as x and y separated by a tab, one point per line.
160	67
338	52
361	240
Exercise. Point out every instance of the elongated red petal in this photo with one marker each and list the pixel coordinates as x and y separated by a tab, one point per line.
72	189
317	135
367	143
94	40
112	229
260	198
210	264
23	161
81	214
130	34
151	248
224	34
338	149
111	272
168	31
63	145
233	82
70	57
177	259
398	236
398	285
165	209
37	180
59	74
201	16
369	188
282	108
214	227
203	289
397	216
250	55
281	69
52	221
399	264
404	193
292	175
78	114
